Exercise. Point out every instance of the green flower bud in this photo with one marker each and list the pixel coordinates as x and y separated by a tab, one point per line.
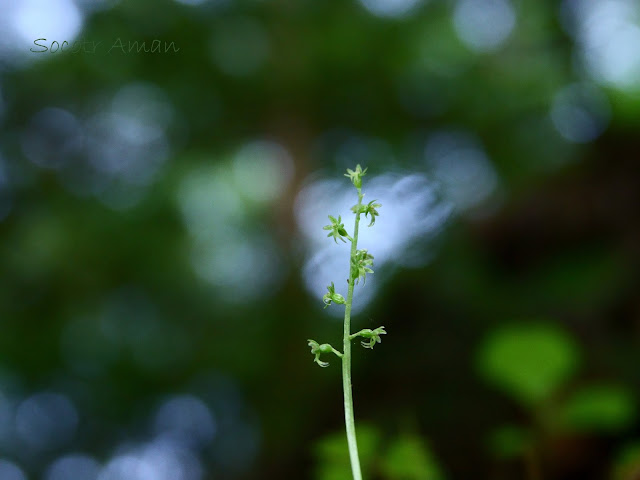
332	296
356	176
317	350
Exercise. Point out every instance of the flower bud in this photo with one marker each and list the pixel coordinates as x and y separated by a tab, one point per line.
332	296
356	176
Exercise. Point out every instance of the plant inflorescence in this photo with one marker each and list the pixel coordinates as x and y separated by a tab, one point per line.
360	263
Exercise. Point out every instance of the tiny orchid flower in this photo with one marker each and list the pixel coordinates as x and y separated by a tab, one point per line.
368	210
356	176
371	210
337	229
332	296
372	335
317	350
361	265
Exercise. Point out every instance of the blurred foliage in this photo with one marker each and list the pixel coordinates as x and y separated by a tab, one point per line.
404	457
510	441
627	463
528	361
155	264
605	408
332	454
408	458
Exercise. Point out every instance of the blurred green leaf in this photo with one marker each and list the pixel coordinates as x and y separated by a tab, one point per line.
528	361
332	453
626	465
600	408
409	458
509	441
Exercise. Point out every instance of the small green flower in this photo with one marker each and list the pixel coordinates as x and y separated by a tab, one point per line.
332	296
361	265
318	350
356	176
372	335
337	229
370	209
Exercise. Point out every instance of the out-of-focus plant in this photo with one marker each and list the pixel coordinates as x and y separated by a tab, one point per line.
534	363
403	457
332	455
361	263
409	458
626	465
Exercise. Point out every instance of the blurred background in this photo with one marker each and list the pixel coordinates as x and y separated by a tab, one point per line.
165	175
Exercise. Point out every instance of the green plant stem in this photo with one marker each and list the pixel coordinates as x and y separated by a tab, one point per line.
346	360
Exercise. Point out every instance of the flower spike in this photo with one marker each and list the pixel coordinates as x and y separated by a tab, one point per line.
360	263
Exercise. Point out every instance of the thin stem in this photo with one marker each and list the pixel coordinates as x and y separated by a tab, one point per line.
346	359
357	334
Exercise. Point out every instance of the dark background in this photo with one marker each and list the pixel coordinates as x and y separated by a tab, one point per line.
162	258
